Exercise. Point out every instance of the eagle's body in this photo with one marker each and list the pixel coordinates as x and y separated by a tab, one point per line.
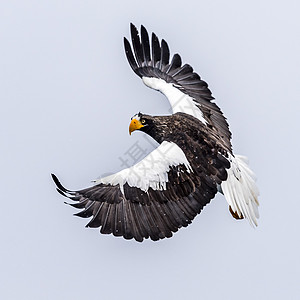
194	160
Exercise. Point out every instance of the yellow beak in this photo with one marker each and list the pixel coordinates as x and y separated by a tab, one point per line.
135	125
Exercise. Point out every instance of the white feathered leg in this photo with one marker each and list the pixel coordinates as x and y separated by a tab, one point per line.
240	189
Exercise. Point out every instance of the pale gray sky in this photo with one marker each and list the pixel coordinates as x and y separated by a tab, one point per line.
67	94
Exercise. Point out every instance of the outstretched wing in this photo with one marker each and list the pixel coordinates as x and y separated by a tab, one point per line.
154	198
184	88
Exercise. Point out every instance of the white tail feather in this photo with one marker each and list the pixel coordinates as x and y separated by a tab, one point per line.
240	189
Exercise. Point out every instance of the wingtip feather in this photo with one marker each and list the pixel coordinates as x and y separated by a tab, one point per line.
58	184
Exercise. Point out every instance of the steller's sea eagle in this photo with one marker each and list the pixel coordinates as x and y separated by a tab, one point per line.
169	187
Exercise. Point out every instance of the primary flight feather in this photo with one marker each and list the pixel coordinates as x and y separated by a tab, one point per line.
168	188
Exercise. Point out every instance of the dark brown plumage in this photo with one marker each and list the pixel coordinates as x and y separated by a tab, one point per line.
169	187
182	76
156	214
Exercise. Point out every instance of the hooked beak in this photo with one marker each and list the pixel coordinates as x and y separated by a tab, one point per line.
135	125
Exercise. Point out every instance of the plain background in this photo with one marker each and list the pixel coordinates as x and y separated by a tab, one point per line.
67	94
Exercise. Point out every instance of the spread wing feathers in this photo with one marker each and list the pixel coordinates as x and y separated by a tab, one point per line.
185	90
124	206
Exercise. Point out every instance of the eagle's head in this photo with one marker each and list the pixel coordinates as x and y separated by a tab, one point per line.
141	122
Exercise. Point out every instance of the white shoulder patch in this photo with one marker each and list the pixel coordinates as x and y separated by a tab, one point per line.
180	102
152	170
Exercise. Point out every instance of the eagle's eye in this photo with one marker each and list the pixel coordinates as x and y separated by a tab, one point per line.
143	121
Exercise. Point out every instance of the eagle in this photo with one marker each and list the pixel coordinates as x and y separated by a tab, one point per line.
194	159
